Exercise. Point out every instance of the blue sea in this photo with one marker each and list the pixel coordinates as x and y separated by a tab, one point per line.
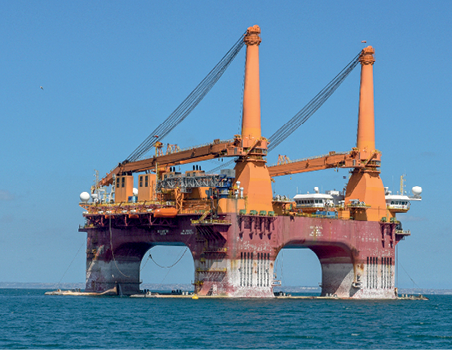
31	320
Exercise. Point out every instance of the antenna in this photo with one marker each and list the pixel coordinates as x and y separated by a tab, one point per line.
402	183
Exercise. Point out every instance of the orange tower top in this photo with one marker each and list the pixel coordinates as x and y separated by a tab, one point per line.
366	123
251	120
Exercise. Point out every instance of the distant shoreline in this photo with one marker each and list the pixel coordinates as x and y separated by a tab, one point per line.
189	287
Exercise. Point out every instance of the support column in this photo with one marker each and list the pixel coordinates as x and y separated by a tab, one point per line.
248	276
107	268
337	279
373	279
232	261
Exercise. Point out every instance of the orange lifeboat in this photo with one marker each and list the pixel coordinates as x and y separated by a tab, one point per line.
165	213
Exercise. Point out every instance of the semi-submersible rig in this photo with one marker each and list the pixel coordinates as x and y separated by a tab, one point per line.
232	224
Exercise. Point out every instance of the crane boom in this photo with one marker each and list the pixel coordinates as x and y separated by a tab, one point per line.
216	149
352	159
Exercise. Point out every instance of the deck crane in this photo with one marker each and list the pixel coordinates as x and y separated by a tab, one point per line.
242	147
360	157
234	147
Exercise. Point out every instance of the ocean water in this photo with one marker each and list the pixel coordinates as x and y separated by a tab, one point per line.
29	319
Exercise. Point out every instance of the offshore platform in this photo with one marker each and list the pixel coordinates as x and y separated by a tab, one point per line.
232	224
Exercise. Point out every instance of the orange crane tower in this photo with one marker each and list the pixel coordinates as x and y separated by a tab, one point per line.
251	170
365	183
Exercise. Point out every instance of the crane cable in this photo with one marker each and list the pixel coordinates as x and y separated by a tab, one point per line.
222	166
192	100
306	112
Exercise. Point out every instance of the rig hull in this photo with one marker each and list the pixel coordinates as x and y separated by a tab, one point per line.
234	251
235	256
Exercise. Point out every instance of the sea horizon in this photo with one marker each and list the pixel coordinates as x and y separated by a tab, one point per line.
189	287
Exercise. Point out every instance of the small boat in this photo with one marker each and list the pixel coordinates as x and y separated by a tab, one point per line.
165	213
112	291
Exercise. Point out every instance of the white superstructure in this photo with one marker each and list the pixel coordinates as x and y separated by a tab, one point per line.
319	200
402	201
331	199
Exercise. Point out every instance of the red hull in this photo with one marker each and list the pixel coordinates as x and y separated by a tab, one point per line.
236	259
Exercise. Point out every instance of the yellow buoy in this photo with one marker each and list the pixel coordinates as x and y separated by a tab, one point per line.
195	296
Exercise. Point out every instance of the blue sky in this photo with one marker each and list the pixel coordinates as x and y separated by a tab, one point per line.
112	71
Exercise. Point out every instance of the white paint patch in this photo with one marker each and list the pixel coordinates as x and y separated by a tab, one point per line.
316	231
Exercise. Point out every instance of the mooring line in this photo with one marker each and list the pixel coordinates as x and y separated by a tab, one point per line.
145	263
408	275
111	247
70	264
168	267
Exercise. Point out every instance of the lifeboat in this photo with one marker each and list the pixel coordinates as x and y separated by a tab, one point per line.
165	213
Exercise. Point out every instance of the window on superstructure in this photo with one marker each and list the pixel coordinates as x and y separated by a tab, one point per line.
146	181
123	181
141	181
